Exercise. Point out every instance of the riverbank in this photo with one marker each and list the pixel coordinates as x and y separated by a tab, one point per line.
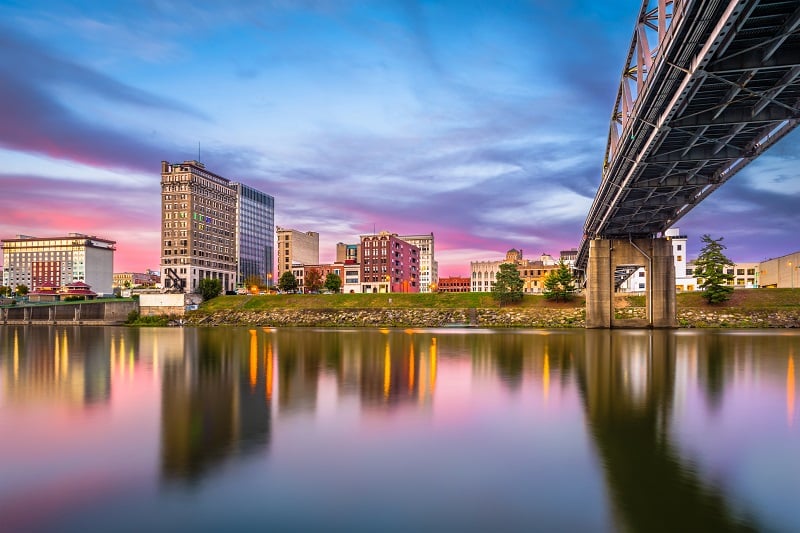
754	308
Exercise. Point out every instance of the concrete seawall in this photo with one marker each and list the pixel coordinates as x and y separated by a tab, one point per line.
89	313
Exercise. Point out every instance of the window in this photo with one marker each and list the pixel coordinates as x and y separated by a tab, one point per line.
680	258
680	247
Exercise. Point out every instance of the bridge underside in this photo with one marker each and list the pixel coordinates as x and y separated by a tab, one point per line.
707	88
721	86
605	255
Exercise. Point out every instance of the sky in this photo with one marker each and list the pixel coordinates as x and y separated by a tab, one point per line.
484	122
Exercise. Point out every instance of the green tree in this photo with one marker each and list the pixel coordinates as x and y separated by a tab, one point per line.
209	288
333	282
253	281
22	290
559	283
313	280
5	291
507	285
287	283
710	270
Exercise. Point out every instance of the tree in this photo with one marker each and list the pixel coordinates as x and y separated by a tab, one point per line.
333	282
253	283
5	291
22	290
209	288
559	283
710	268
287	283
313	280
507	285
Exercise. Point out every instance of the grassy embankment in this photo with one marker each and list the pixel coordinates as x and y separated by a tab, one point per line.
465	300
741	299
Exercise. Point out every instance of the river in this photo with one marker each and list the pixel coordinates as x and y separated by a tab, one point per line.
122	429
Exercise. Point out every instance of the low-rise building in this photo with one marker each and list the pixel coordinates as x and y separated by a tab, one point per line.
483	273
130	280
453	284
780	272
389	264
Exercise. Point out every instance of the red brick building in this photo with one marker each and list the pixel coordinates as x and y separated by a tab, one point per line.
453	284
388	264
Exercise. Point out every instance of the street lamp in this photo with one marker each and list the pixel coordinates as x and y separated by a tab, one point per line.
791	275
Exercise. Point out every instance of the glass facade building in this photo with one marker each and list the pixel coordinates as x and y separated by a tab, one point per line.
255	234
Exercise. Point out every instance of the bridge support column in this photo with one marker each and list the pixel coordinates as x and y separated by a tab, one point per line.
656	256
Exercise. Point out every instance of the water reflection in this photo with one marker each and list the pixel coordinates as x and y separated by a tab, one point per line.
646	399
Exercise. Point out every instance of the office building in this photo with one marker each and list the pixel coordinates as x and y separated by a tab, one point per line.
388	264
428	274
55	262
296	248
198	214
255	235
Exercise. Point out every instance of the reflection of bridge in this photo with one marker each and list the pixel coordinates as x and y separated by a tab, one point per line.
707	88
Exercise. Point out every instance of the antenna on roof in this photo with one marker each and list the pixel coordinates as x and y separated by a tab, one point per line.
198	151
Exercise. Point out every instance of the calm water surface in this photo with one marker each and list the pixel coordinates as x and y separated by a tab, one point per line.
389	430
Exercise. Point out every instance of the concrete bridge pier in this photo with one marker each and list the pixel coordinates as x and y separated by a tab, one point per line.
656	257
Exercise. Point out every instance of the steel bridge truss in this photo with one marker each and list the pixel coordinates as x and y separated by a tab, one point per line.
707	87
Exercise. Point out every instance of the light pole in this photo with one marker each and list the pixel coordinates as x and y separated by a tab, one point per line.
791	275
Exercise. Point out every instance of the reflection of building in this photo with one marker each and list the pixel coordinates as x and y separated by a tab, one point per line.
56	261
255	234
55	365
400	369
215	402
296	248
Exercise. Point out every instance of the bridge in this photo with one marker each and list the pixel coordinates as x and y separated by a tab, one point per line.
708	86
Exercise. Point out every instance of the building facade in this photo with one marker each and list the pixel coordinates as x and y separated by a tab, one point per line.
198	227
781	272
255	235
428	274
532	273
453	284
389	264
348	253
58	261
296	248
124	280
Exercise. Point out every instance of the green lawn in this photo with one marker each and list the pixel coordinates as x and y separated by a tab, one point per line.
366	301
742	298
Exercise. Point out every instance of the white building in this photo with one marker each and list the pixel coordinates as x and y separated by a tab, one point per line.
428	269
57	261
483	275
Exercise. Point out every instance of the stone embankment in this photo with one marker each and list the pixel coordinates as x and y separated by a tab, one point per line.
492	318
395	317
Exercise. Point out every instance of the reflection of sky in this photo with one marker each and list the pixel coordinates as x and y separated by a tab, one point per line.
493	445
484	123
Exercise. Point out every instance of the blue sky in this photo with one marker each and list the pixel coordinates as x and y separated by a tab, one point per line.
482	122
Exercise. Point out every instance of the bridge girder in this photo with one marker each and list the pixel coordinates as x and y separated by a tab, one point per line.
716	84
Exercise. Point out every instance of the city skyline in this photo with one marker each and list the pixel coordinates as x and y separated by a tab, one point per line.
484	124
